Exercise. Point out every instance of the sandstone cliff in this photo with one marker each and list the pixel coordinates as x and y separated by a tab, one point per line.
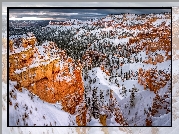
53	79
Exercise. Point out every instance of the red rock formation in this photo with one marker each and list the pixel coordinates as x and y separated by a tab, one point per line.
48	80
116	112
157	59
159	102
148	120
162	32
149	78
104	70
81	119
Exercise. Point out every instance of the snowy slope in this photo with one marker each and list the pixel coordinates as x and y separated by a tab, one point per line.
37	112
144	98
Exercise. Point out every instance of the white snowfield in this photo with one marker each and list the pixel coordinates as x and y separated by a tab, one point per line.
39	113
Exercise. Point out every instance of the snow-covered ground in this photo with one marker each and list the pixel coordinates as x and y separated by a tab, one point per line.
39	113
144	98
28	110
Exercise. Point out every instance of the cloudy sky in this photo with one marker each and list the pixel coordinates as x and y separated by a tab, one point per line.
65	14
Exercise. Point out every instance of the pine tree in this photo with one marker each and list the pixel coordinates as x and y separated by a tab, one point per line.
141	59
128	59
129	74
95	107
124	90
101	97
132	96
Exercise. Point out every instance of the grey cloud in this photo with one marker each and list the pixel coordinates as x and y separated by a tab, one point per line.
78	13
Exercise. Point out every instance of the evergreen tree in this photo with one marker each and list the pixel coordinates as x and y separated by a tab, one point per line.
141	59
128	60
101	97
132	96
129	74
95	104
124	90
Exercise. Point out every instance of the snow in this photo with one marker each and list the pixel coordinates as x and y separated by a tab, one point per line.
142	95
61	64
159	22
94	122
104	83
62	78
121	41
164	120
51	113
18	71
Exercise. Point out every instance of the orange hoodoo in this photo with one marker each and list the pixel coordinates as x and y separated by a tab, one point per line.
51	81
149	78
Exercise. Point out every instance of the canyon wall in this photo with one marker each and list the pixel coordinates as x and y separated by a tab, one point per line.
49	78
